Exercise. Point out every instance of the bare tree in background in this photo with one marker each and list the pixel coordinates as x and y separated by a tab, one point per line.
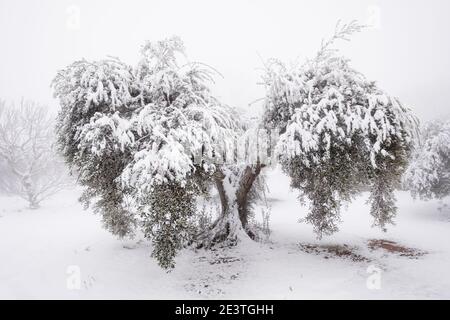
29	165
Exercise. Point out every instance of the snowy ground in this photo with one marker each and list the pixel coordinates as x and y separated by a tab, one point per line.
42	251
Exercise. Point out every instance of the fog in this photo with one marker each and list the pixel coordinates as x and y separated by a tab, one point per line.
407	49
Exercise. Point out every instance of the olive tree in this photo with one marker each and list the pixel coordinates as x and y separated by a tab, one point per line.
147	141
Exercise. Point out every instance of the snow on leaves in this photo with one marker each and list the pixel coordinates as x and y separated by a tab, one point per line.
161	110
107	83
327	103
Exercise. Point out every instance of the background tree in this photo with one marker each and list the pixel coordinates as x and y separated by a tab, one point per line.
29	164
428	176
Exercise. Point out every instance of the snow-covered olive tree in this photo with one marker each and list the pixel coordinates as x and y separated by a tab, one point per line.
339	134
148	140
428	175
29	165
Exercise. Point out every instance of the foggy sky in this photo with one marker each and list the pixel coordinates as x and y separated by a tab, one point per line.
407	51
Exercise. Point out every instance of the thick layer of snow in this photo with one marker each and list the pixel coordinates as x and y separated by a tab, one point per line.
38	249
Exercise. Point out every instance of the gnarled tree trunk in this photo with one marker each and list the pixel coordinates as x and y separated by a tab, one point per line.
233	221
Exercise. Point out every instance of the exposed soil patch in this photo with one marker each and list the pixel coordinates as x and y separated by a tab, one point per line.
350	252
393	247
334	251
220	259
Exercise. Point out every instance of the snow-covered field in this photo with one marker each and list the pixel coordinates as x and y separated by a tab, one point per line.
42	253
